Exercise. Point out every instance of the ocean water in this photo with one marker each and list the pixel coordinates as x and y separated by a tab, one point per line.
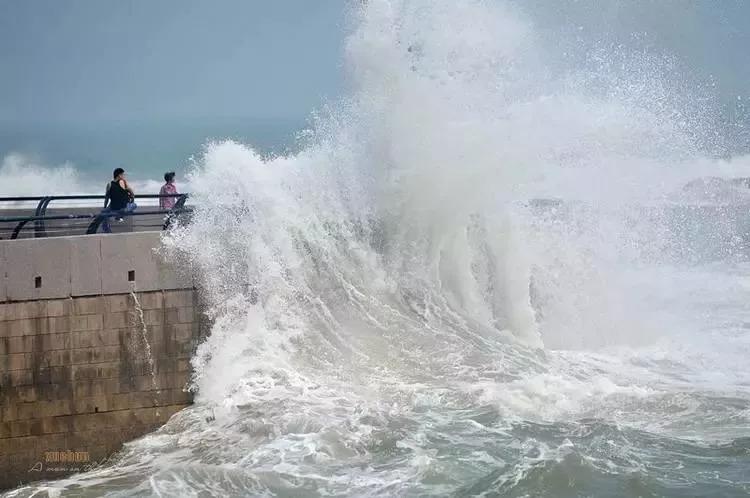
475	278
78	158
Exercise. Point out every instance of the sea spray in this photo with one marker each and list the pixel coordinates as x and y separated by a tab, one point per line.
145	346
440	295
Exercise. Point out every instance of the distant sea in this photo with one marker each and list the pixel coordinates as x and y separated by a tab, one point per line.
45	158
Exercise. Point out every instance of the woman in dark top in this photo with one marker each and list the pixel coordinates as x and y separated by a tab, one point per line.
118	198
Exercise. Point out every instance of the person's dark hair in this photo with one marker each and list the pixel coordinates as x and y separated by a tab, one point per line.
117	172
169	177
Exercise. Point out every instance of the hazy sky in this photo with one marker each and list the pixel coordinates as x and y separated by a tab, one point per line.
89	60
79	60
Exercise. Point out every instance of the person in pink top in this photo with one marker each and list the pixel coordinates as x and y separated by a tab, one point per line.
168	188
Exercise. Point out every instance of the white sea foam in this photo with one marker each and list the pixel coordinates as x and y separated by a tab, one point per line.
407	221
22	175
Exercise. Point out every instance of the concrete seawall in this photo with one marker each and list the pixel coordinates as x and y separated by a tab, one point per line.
96	334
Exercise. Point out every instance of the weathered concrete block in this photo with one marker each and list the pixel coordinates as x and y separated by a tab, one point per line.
53	442
118	401
58	307
83	379
151	300
179	298
86	266
27	394
55	341
92	404
181	315
94	322
153	317
93	339
79	323
156	336
20	428
88	305
16	378
174	278
148	382
96	355
16	445
181	397
27	326
52	375
183	365
96	371
34	269
171	276
118	320
166	364
19	276
182	332
27	410
56	358
25	310
53	391
148	399
55	325
117	303
3	275
87	322
11	362
131	263
18	344
8	413
96	387
53	408
187	315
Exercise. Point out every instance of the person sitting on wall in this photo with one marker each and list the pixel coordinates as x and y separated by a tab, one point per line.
169	188
118	199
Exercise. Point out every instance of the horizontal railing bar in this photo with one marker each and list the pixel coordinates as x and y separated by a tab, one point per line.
84	197
114	214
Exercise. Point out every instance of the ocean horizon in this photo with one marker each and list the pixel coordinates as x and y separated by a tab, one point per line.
73	158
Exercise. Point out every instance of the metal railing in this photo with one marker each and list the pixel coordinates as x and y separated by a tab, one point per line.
92	220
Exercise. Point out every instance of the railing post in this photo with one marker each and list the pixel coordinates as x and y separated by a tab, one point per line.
17	230
94	225
180	201
40	230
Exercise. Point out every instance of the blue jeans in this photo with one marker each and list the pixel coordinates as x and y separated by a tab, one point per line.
106	226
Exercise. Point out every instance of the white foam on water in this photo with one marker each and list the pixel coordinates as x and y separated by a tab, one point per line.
21	175
400	246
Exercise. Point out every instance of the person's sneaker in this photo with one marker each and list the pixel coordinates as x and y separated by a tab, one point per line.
120	220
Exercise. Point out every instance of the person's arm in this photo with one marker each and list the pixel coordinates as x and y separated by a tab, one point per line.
106	196
124	184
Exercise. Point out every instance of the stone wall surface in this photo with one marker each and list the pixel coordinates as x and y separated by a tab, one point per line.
77	319
57	267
